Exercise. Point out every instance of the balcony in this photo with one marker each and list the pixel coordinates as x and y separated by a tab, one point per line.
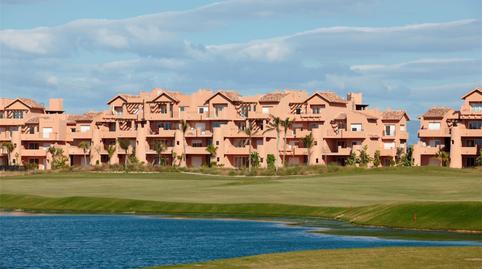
162	133
444	132
233	150
294	150
5	136
388	152
469	150
73	150
471	132
300	133
198	133
423	149
108	134
330	133
196	150
33	152
39	137
162	116
168	150
339	151
82	135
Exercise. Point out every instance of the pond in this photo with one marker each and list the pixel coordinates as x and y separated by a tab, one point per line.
116	241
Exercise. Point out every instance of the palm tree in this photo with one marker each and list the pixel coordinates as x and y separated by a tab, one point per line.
184	126
124	144
212	152
308	142
444	157
85	146
110	151
275	124
250	131
9	147
286	123
159	147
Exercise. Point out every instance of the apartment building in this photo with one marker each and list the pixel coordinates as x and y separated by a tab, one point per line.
339	126
457	132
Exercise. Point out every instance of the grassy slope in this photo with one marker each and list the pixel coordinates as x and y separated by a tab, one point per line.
350	188
448	216
467	257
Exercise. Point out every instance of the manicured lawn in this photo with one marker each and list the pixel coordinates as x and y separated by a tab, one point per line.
426	198
344	189
386	258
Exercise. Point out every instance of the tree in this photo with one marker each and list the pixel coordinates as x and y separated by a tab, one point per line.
286	123
110	151
9	147
124	145
249	131
275	124
271	160
352	160
399	156
173	158
308	142
377	159
364	159
444	157
85	146
184	126
211	149
478	161
58	158
407	157
159	147
254	159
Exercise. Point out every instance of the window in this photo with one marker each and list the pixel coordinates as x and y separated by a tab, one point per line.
32	146
356	127
266	110
434	125
298	111
218	109
475	125
476	107
18	114
46	132
216	124
389	130
1	114
316	109
163	108
117	110
197	143
84	128
389	145
217	143
31	129
244	111
181	109
316	160
202	109
434	143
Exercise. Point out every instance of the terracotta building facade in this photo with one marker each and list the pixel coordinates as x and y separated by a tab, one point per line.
339	127
456	132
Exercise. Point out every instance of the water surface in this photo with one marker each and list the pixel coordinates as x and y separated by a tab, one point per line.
100	241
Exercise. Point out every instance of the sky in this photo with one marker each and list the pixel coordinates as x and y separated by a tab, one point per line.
401	54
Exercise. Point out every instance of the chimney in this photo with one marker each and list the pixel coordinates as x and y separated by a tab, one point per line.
56	106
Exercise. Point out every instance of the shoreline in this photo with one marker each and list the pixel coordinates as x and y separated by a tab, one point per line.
187	216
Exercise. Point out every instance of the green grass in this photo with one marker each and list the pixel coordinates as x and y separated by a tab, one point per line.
346	188
430	215
441	198
386	258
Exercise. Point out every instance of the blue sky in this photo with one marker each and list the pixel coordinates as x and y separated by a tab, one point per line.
401	54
